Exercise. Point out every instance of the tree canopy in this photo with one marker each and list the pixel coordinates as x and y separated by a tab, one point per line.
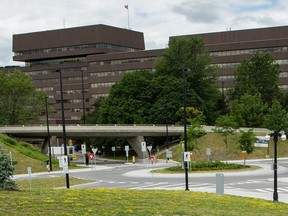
259	75
20	102
145	97
190	53
276	118
249	110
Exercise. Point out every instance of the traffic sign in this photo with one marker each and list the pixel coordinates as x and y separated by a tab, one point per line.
243	154
143	145
168	154
126	147
83	148
149	148
186	156
65	160
94	150
91	156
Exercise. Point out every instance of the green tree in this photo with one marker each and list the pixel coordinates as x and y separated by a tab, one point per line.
194	131
259	75
246	141
189	53
225	126
249	110
20	102
93	116
6	172
128	102
276	119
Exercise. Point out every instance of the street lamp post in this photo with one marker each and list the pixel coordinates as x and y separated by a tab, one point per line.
48	134
275	135
83	102
185	125
63	123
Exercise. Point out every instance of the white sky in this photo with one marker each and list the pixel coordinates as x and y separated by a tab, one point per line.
157	19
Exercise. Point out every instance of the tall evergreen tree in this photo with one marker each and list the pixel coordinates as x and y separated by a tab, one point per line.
6	172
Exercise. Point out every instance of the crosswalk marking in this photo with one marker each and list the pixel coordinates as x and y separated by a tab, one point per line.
265	190
147	185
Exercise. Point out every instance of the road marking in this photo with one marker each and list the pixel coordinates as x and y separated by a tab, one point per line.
265	190
148	185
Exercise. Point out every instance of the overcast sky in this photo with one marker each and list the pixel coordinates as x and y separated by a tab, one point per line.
157	19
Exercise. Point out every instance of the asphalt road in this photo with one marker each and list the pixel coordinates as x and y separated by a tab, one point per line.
257	183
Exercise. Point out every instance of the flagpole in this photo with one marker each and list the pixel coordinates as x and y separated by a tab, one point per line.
127	7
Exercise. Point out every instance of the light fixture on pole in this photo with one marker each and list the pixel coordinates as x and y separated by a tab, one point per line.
275	136
185	125
63	123
48	134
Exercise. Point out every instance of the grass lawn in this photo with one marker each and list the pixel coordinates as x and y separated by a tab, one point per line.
132	202
49	183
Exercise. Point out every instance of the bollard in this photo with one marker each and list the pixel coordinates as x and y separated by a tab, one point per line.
219	183
133	159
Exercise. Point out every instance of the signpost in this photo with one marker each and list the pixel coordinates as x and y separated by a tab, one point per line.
127	152
113	150
244	155
208	153
94	150
83	150
186	156
168	155
65	163
143	146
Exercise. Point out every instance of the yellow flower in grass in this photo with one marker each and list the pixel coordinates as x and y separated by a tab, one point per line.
24	202
49	201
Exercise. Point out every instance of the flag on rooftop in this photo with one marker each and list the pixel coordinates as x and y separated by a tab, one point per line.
126	6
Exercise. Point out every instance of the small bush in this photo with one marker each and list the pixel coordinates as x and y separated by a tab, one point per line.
209	165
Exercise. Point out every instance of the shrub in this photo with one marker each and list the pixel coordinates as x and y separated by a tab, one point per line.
6	172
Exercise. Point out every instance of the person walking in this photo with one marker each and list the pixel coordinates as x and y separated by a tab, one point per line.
48	165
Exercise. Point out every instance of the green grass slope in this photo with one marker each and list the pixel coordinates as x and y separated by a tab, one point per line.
219	151
24	155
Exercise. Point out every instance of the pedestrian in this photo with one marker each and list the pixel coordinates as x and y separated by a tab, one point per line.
99	152
48	165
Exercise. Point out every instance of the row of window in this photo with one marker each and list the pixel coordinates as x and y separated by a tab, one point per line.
123	61
75	47
65	70
56	61
113	73
249	51
99	95
71	101
57	79
231	77
99	85
45	89
236	64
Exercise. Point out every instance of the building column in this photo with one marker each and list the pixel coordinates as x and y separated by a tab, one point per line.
135	143
44	148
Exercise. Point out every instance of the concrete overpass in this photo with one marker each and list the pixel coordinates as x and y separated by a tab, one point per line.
133	133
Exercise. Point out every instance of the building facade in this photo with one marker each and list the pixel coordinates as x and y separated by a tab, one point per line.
93	58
